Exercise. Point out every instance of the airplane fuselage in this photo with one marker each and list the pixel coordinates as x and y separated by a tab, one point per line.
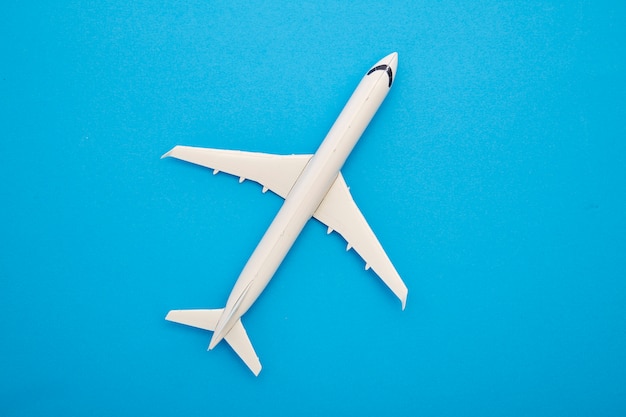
307	193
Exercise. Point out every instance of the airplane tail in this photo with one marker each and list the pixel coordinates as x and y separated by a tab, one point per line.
237	337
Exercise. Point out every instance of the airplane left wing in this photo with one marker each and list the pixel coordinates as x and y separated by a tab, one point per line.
339	212
277	173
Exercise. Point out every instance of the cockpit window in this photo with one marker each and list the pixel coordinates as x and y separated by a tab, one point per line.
382	68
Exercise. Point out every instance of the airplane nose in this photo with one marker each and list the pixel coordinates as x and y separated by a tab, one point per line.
393	62
389	64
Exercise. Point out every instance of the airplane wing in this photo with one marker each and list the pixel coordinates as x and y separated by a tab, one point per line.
277	173
237	337
339	212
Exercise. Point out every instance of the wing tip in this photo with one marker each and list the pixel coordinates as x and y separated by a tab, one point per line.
403	297
168	153
172	152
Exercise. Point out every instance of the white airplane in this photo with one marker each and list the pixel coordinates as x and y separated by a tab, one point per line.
312	186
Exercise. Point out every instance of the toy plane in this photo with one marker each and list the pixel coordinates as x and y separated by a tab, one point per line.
312	186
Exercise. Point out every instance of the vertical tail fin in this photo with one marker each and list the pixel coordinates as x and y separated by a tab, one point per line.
237	337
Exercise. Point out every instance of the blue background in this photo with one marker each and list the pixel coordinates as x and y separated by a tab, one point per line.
494	175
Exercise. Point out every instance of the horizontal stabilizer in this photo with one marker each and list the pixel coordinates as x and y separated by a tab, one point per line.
202	319
237	337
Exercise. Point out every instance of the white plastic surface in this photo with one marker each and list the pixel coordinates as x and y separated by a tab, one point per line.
311	186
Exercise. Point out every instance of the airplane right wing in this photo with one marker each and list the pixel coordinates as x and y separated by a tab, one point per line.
277	173
339	212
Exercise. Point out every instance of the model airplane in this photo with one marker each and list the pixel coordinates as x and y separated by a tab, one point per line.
312	186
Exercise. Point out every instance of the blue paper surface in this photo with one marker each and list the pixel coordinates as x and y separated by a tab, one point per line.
494	175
